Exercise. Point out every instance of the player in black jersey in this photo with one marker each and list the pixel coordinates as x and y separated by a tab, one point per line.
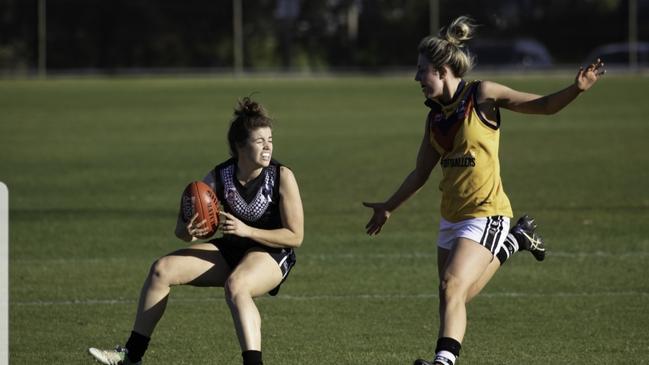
262	222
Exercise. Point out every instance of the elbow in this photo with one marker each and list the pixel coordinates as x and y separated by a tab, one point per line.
420	177
297	241
181	230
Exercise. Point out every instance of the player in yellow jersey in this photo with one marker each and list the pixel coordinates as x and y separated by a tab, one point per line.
462	136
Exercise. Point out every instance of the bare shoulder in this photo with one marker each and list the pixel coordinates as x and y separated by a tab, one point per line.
285	171
490	90
288	187
503	96
287	176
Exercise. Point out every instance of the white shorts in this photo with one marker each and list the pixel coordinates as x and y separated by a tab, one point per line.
489	232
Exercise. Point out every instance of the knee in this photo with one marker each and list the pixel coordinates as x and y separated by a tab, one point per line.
452	288
235	286
160	272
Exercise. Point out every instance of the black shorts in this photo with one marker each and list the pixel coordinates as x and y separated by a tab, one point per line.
233	252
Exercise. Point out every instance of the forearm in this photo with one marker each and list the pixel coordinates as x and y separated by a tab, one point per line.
412	183
181	231
555	102
528	103
276	238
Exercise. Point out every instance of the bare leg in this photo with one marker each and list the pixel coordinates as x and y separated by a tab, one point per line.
466	264
494	265
199	265
256	275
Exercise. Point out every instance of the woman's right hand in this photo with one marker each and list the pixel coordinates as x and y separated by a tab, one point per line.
588	77
380	216
197	229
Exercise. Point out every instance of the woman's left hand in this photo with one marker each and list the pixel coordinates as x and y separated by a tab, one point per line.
232	225
587	77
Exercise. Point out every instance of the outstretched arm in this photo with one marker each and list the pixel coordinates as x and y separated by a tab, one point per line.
522	102
427	158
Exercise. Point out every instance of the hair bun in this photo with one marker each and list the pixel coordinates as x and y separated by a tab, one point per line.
460	30
246	107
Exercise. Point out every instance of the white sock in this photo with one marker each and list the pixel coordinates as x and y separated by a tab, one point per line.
445	357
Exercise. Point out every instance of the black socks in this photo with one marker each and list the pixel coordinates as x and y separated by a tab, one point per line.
252	357
447	351
136	346
510	247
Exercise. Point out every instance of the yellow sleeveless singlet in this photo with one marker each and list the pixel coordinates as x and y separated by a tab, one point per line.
468	144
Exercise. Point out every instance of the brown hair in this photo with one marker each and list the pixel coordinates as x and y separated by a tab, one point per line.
447	49
248	116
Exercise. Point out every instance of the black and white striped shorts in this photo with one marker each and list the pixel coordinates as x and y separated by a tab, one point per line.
489	232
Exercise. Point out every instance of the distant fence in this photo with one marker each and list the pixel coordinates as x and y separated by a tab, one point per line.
122	37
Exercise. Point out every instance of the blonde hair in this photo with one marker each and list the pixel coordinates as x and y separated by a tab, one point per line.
447	48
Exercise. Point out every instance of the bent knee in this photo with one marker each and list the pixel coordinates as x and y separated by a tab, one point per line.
162	271
236	285
452	287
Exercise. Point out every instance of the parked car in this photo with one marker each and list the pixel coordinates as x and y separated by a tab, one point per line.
617	54
522	53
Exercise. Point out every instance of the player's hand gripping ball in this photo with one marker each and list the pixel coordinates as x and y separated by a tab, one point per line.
199	199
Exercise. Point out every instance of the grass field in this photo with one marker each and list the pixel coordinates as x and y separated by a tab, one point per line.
95	169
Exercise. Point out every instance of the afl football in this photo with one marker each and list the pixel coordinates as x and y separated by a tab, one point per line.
198	197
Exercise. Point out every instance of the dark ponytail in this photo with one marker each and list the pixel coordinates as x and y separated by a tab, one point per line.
248	116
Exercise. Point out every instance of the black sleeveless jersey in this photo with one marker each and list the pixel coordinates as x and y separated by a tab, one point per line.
257	203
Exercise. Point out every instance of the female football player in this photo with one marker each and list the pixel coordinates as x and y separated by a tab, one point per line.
262	222
462	135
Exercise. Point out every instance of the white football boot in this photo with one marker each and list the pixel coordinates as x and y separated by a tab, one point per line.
112	357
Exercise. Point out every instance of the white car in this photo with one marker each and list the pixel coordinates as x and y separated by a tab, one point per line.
617	54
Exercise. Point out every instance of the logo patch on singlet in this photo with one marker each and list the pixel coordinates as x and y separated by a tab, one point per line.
467	160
